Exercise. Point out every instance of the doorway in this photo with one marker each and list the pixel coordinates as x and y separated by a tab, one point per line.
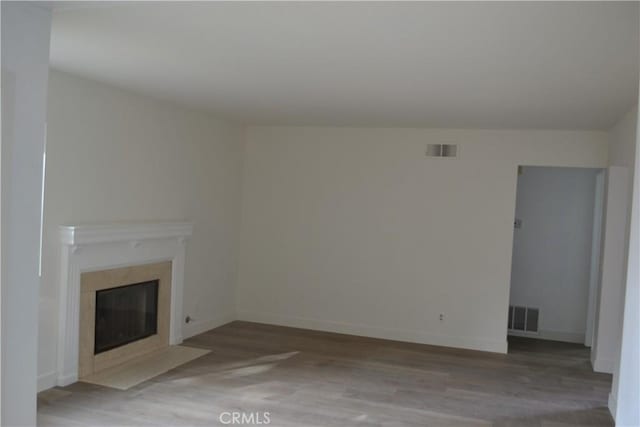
556	252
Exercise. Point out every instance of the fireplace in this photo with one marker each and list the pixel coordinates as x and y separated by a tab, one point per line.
99	257
125	314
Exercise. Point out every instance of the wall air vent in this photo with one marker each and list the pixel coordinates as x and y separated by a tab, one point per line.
523	319
434	150
442	150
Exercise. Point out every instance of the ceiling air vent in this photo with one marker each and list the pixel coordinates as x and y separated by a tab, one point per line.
442	150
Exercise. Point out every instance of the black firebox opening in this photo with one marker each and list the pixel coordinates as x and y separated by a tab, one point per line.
125	314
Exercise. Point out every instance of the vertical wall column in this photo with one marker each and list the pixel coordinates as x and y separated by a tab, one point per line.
26	29
606	345
625	395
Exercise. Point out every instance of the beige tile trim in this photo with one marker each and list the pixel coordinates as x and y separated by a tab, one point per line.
105	279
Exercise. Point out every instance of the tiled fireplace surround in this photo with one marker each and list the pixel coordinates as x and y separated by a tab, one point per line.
102	256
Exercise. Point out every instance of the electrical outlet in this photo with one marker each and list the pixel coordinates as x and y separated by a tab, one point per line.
441	317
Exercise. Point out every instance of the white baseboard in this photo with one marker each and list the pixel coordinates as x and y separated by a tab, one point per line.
573	337
199	326
613	404
602	365
47	381
470	343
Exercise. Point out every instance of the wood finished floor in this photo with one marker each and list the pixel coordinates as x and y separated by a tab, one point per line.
307	378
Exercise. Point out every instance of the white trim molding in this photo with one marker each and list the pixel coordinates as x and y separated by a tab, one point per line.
105	246
602	365
574	337
612	404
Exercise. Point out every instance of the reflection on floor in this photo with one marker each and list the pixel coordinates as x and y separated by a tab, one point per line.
308	378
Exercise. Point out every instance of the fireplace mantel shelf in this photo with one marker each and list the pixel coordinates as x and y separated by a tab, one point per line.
75	235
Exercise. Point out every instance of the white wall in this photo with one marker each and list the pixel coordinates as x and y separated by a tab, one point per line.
622	152
622	146
606	348
611	294
116	156
552	249
625	393
355	230
25	58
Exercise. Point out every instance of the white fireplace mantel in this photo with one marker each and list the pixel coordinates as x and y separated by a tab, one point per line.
104	246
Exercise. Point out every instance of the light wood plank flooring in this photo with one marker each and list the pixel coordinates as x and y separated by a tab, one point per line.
307	378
